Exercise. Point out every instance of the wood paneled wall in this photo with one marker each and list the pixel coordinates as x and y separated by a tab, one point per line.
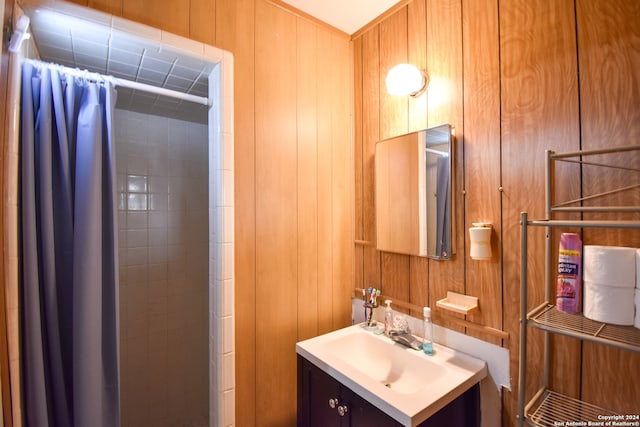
293	182
515	77
610	114
539	111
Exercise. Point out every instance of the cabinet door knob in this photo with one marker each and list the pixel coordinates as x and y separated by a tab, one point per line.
342	410
333	403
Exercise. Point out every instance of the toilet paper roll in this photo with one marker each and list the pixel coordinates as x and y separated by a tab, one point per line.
480	238
637	322
609	304
610	265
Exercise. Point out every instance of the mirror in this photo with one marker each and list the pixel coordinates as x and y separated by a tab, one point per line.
413	182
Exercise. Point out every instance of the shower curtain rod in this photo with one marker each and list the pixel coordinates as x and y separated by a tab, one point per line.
161	91
128	83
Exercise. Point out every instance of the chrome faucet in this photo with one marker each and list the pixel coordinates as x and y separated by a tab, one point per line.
405	338
400	333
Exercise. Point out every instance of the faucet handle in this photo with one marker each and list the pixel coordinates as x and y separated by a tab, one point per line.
400	323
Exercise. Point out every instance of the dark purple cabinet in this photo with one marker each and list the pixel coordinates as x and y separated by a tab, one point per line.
325	402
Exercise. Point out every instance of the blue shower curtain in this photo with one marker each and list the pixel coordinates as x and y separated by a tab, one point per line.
68	260
443	208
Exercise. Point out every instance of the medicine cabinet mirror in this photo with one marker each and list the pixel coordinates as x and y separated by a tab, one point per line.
413	181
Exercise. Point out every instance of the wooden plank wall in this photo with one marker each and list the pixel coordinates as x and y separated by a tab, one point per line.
610	108
293	182
515	77
481	113
235	31
276	226
539	111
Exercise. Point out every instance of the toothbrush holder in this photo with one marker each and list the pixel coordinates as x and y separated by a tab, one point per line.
368	318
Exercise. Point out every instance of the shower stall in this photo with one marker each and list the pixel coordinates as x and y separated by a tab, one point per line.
174	165
163	238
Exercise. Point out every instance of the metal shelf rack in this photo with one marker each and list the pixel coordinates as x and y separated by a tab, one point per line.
547	318
548	408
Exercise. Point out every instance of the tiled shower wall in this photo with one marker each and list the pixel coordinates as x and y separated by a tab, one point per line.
162	169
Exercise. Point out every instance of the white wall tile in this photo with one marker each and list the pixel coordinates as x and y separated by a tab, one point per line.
227	298
157	237
159	164
157	271
128	27
182	44
136	238
160	264
227	150
137	202
216	303
158	184
216	225
228	228
86	14
215	346
158	219
229	404
137	274
137	256
228	371
229	188
158	202
228	342
136	220
215	395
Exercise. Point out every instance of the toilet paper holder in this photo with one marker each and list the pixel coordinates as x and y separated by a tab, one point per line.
480	238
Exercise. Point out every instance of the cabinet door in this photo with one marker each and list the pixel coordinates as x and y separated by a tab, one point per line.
363	413
462	412
315	388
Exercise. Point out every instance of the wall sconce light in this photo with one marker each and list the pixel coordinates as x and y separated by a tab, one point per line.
406	80
480	236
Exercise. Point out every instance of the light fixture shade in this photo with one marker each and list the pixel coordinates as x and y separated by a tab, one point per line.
406	79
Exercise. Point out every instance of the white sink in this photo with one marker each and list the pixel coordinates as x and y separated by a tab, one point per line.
390	365
406	384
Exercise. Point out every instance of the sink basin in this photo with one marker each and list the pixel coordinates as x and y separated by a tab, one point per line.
401	371
406	384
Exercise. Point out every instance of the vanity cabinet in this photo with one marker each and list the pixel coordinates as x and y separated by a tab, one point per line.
316	389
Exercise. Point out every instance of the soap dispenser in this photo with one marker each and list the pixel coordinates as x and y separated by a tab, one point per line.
388	316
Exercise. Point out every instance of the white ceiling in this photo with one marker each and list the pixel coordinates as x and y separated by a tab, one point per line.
346	15
77	37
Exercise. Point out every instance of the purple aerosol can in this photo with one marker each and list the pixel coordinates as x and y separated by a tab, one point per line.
569	268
